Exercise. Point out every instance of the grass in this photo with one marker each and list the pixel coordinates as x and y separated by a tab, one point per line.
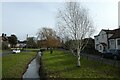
0	66
14	65
63	65
0	51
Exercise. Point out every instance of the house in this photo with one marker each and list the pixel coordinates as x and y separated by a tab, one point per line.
4	41
107	39
21	44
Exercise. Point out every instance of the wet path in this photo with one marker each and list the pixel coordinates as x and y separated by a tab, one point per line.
33	69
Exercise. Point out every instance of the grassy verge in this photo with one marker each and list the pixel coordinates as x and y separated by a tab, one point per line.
14	65
0	67
63	65
0	51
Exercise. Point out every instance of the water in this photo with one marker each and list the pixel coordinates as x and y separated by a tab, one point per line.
33	69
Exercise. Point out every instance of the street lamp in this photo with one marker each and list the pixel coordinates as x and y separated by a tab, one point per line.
26	42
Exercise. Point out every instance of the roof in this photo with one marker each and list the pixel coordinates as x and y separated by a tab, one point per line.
112	31
116	34
109	31
4	38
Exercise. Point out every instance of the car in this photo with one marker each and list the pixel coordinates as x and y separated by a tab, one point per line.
16	51
113	53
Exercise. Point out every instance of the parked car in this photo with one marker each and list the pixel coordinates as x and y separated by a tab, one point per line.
16	51
113	53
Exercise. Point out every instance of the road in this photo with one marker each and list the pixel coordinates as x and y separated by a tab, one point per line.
103	60
5	53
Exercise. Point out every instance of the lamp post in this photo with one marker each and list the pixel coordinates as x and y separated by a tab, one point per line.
26	42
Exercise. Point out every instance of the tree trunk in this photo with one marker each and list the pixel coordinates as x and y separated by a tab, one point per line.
78	61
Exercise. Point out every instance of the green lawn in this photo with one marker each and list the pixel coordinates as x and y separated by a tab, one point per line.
0	66
63	65
14	65
0	51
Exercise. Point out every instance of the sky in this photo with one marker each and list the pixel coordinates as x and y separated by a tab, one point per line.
119	13
22	17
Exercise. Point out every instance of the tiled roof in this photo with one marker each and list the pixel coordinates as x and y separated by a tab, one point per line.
116	34
109	31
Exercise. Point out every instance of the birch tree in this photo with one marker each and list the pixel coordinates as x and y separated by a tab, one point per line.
73	21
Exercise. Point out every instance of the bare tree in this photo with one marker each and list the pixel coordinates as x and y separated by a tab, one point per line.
75	23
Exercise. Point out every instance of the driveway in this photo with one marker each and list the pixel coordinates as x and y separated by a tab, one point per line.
103	60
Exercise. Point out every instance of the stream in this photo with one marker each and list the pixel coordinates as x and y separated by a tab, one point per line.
33	69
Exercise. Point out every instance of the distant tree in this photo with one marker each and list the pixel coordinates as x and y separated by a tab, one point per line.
31	42
48	38
90	46
12	40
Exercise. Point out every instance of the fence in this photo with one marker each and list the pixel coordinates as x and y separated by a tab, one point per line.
99	59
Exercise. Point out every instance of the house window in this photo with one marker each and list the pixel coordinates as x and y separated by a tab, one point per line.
100	47
97	38
97	46
104	48
112	42
118	42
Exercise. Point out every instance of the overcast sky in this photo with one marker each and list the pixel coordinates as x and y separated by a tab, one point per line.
22	18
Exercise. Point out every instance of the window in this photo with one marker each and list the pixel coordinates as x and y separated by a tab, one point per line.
97	38
118	42
112	42
100	47
97	46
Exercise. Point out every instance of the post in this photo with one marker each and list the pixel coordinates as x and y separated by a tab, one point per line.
26	42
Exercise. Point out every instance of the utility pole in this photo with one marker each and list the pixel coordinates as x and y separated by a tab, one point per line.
26	42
